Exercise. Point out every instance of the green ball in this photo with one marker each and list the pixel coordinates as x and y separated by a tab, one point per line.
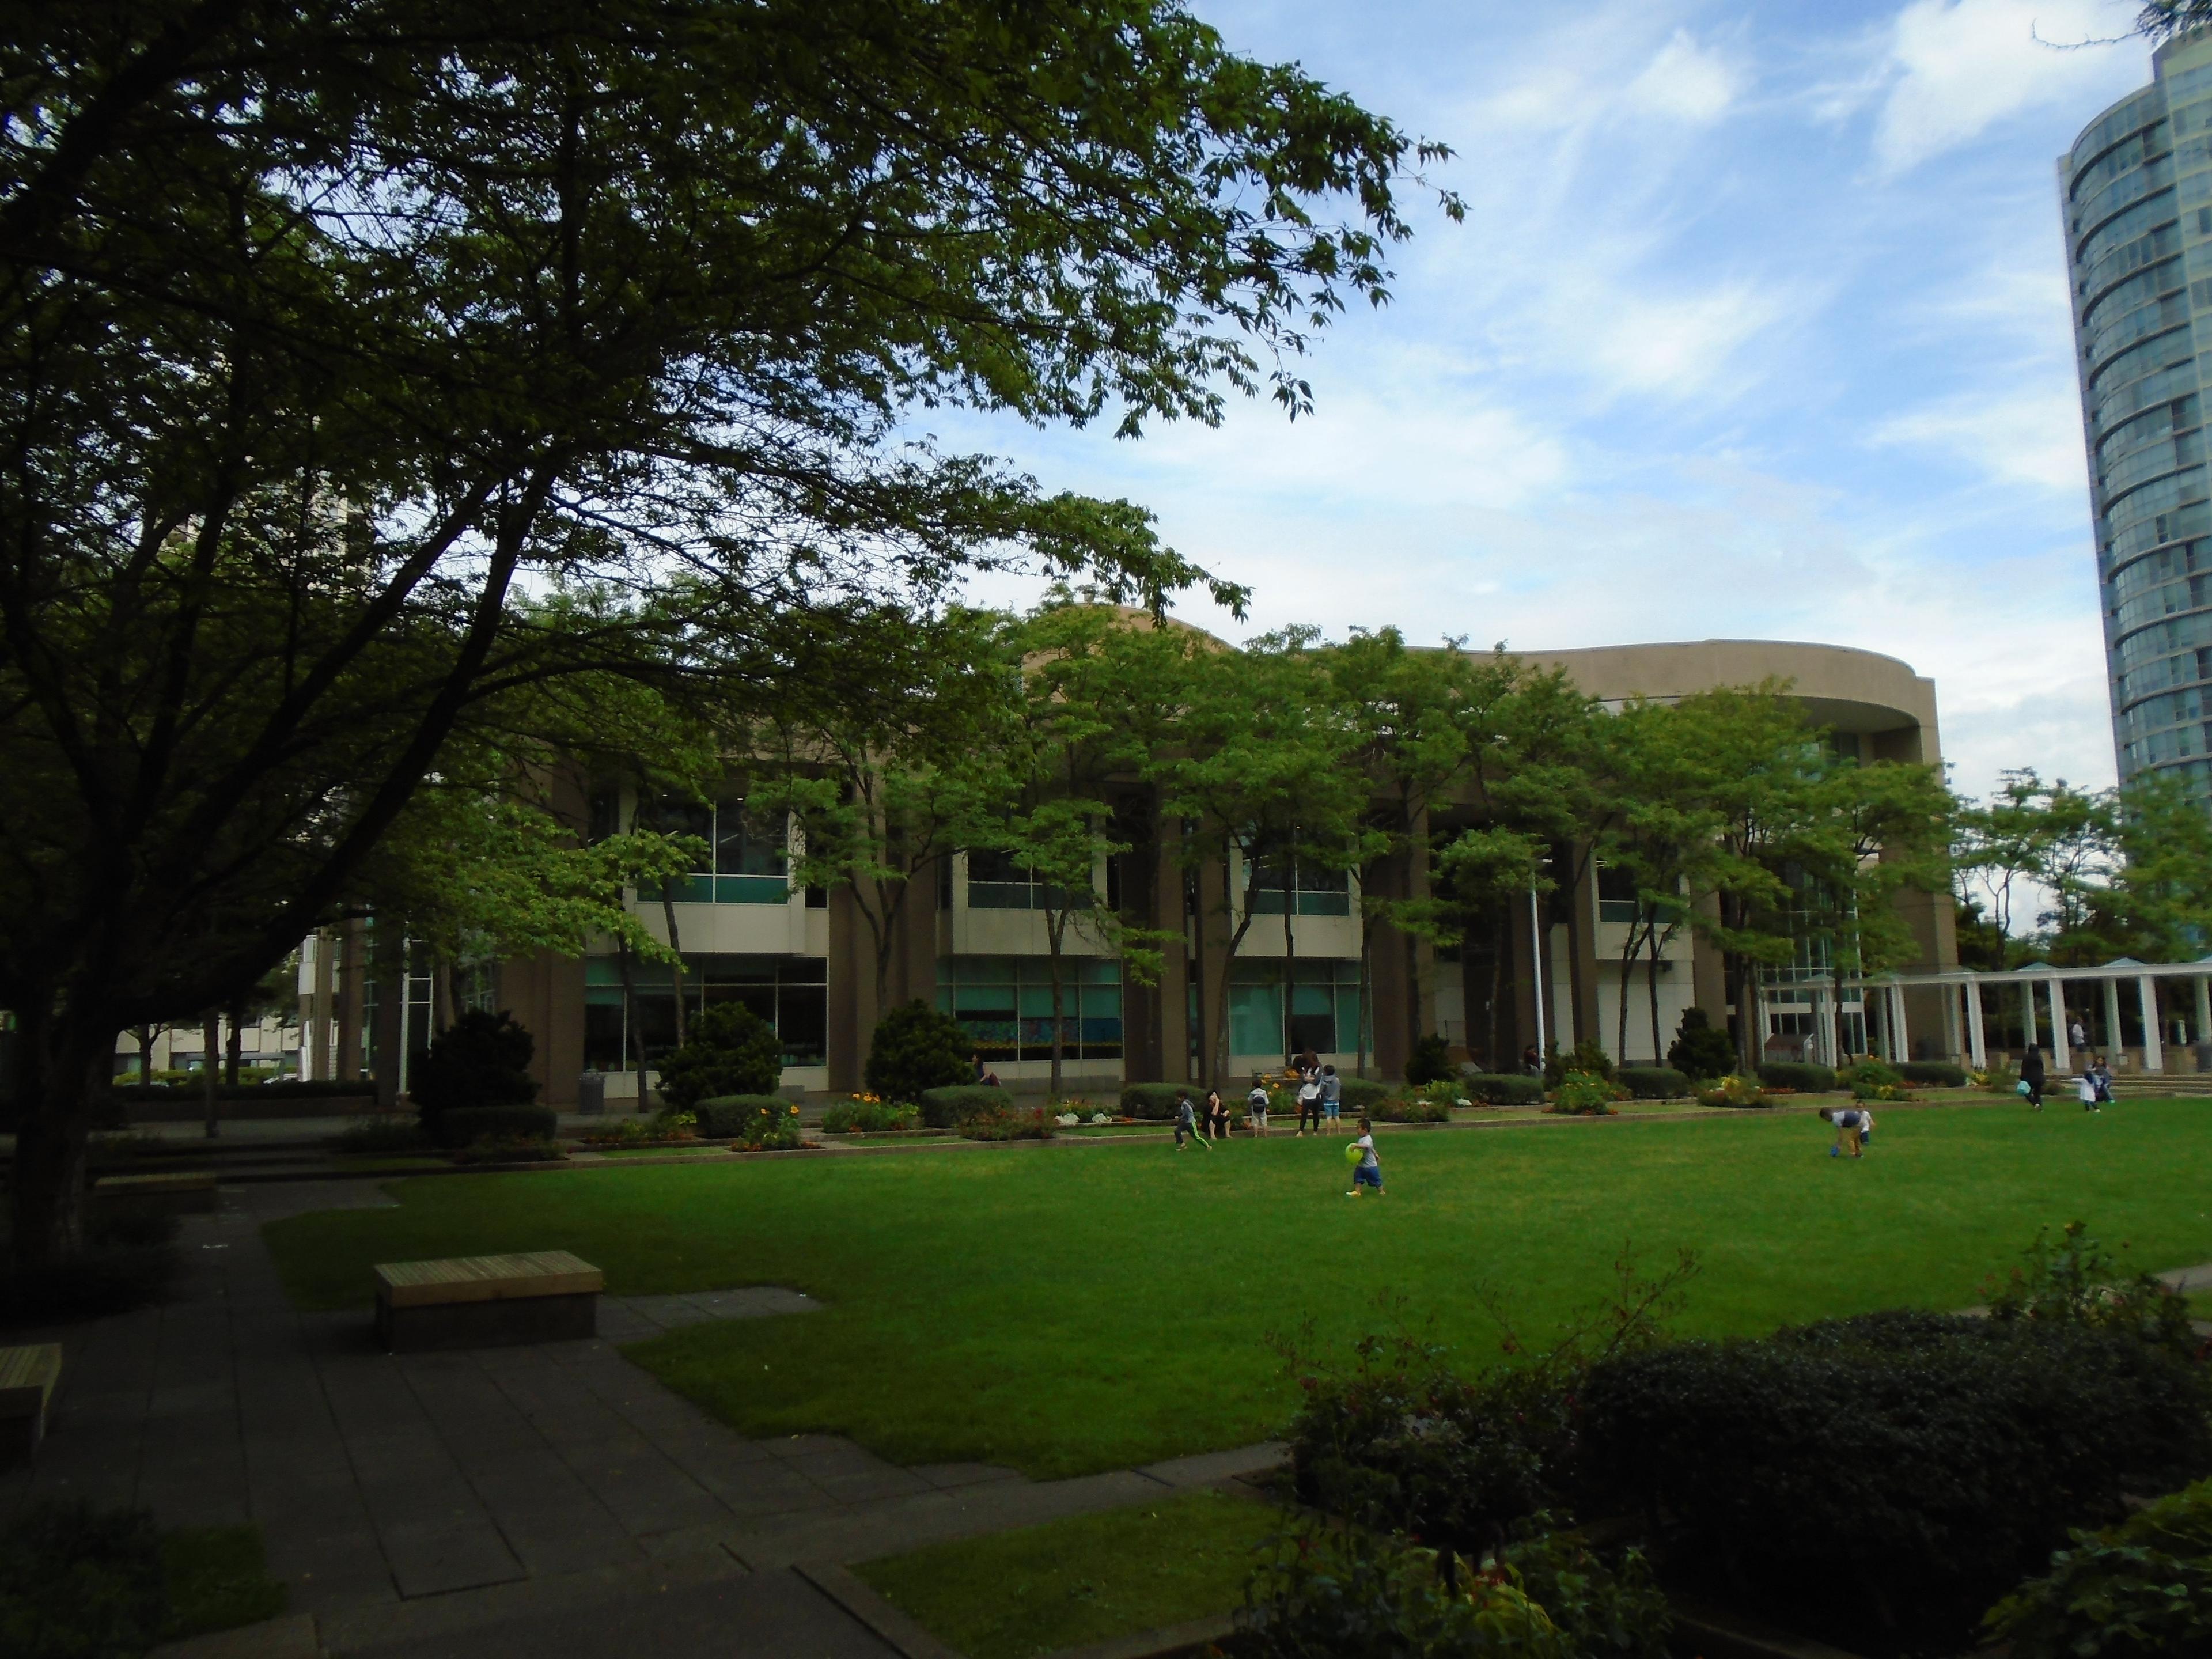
1354	1152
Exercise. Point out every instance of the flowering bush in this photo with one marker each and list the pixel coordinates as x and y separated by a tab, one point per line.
1733	1091
1009	1123
869	1114
1585	1094
768	1130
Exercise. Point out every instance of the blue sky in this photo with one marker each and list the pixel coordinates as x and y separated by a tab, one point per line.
1757	327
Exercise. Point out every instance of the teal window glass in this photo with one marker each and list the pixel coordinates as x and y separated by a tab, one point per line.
1004	1004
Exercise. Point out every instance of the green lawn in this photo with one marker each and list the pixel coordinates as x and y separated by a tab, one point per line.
1064	1308
1090	1578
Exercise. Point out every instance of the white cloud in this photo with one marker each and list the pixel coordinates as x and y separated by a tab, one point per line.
1951	69
2024	436
1686	82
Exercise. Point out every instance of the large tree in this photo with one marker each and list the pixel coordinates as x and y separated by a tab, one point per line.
329	330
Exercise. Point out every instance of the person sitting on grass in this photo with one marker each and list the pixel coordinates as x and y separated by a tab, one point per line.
1848	1121
1255	1106
1368	1172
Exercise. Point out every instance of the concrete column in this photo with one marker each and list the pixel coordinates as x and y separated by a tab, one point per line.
1898	1050
1954	1044
1978	1048
2115	1036
2029	1037
2203	1031
2061	1050
2154	1051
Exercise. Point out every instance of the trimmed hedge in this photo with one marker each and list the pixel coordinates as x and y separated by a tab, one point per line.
1503	1088
288	1090
1364	1094
727	1117
463	1126
1155	1101
948	1107
1653	1082
849	1117
1940	1072
1938	1457
1407	1108
1804	1076
1006	1122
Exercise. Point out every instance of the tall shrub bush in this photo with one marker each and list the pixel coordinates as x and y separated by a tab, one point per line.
481	1059
916	1048
729	1050
1700	1050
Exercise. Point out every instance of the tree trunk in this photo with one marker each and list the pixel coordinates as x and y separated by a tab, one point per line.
68	1066
1367	945
1498	945
1289	964
1628	955
675	967
234	1043
145	1036
1055	924
1651	985
208	1036
630	1021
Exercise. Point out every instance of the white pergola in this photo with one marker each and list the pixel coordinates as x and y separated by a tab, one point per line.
1963	1013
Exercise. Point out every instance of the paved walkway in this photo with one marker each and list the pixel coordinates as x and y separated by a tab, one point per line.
526	1502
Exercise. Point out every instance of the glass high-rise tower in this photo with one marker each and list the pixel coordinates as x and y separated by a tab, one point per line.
2137	193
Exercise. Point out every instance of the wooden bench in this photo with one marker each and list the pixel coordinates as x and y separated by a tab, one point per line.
27	1376
487	1301
177	1191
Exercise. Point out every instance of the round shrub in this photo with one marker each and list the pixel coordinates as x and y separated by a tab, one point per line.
915	1048
1937	1456
1155	1102
729	1050
463	1126
1937	1073
1503	1088
1430	1061
949	1108
1699	1049
481	1059
1804	1076
729	1117
1653	1082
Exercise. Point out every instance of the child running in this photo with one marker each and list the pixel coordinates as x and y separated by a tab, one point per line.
1369	1170
1185	1119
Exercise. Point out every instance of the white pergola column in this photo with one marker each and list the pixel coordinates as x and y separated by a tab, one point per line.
1955	1042
2061	1054
2113	1032
2154	1049
1830	1016
1898	1052
2203	1031
1978	1050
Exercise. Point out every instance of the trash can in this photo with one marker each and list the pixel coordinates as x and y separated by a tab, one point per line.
591	1094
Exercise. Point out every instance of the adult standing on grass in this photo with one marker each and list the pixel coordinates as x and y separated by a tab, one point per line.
2033	1074
1309	1101
1255	1106
1368	1172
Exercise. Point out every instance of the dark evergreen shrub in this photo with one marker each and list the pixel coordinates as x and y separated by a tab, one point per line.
1361	1093
1939	1073
481	1059
1503	1088
1804	1076
1653	1082
1430	1062
1155	1101
850	1117
1701	1050
916	1048
1935	1459
948	1107
463	1126
729	1050
731	1117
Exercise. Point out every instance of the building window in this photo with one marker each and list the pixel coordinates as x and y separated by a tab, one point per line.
1319	892
748	852
1616	895
997	882
1324	1007
1004	1004
792	993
